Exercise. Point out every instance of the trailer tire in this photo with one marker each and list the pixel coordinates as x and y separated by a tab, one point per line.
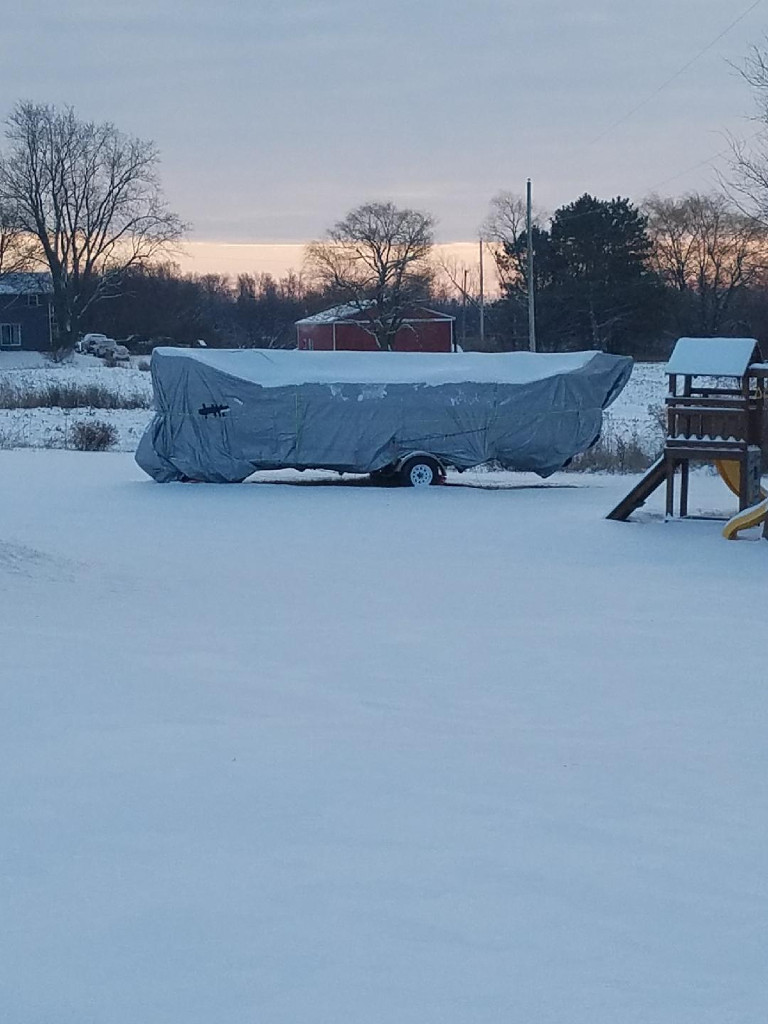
420	471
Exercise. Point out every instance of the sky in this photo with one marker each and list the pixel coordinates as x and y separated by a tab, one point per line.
275	117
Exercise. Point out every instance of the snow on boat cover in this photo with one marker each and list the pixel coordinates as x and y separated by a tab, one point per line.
221	415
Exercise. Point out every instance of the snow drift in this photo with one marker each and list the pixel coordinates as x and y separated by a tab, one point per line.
221	415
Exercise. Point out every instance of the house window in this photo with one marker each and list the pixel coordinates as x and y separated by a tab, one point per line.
33	299
10	335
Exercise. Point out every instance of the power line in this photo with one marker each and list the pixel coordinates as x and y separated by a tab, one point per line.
687	170
701	163
676	75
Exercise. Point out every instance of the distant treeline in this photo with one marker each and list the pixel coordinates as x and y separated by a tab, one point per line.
608	275
84	200
160	305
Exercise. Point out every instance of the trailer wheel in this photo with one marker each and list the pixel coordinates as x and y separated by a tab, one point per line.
420	471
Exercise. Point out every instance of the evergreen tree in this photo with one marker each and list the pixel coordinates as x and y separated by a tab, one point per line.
601	290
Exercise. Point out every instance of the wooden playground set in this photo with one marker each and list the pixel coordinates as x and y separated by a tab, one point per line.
715	414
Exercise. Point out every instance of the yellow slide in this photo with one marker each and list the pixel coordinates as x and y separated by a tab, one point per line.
744	520
730	471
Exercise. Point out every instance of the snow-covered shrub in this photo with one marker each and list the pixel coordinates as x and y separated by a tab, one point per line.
93	436
615	455
13	439
657	414
57	356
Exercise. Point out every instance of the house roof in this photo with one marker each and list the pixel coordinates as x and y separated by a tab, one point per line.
353	311
25	284
713	357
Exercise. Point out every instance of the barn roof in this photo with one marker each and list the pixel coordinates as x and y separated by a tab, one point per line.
713	357
25	284
353	311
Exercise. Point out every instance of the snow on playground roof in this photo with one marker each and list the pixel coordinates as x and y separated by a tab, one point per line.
713	357
274	368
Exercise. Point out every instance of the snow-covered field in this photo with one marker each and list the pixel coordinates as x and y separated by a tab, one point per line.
51	427
31	369
635	411
315	752
628	417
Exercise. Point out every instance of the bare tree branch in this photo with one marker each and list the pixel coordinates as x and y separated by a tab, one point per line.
15	244
461	279
376	260
704	246
747	184
503	229
90	198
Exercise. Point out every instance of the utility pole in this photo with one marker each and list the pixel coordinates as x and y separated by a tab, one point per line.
482	301
464	313
529	269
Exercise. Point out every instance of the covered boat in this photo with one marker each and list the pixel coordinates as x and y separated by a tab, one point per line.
223	414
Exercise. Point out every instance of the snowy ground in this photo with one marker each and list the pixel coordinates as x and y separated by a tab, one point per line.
635	411
319	752
32	370
628	417
51	427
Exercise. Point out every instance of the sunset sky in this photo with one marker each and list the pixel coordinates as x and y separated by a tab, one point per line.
275	117
200	257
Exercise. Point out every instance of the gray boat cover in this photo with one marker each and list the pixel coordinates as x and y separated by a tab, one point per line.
221	414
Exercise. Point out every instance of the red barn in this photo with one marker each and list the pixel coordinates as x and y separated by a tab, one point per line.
342	329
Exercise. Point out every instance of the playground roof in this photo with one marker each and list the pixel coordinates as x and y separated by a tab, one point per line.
713	357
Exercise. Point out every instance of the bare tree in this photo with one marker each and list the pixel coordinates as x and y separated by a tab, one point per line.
457	281
89	198
749	181
506	217
15	246
267	308
377	260
504	229
708	249
458	278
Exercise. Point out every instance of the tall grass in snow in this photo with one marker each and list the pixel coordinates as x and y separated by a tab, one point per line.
70	396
